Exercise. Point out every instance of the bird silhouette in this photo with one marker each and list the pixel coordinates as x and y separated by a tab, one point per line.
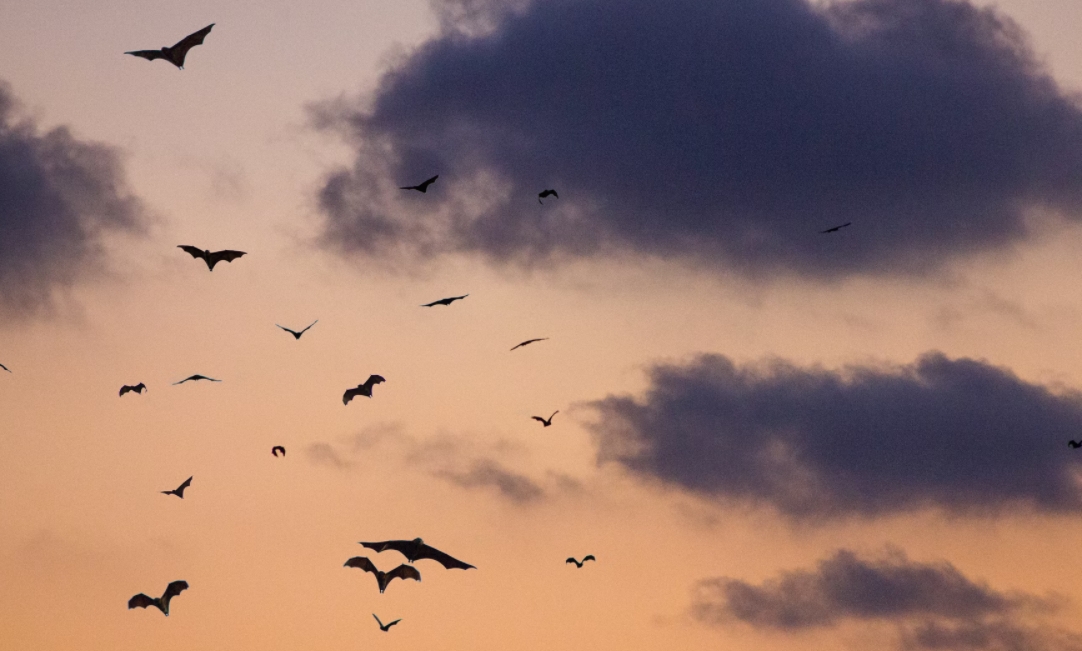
383	578
546	193
275	450
445	301
529	341
161	603
578	564
385	627
179	490
421	187
196	378
416	549
211	258
297	335
835	229
1074	444
5	368
544	421
175	54
138	388
362	389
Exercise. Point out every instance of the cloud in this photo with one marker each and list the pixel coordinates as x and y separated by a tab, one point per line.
486	473
961	436
58	196
721	133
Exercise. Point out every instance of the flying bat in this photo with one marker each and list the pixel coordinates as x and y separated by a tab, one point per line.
194	378
416	549
211	258
5	368
179	491
297	335
161	603
546	193
175	54
385	627
1074	444
529	341
138	388
835	229
362	389
421	187
383	578
275	450
543	421
578	564
445	301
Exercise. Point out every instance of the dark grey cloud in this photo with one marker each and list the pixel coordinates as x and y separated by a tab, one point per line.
725	133
58	196
961	436
486	473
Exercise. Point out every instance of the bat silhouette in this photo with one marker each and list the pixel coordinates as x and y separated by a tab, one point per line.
138	388
546	193
529	341
297	335
543	421
161	603
211	258
835	229
362	389
383	578
195	378
445	301
421	187
5	368
275	450
416	549
385	627
578	564
179	491
1074	444
175	54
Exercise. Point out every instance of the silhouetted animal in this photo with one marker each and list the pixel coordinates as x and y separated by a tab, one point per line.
835	229
211	258
161	603
275	450
362	389
445	301
138	388
578	564
385	627
546	193
176	54
297	335
383	578
543	421
195	378
529	341
5	368
421	187
416	549
1074	444
179	490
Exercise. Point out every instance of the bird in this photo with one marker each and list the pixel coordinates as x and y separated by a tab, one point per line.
383	578
835	229
211	258
416	549
161	603
1074	444
5	368
175	54
529	341
545	422
297	335
362	389
420	187
445	301
275	449
385	627
546	193
179	490
138	388
578	564
196	377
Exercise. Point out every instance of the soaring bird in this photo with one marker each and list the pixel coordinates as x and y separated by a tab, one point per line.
362	389
297	335
275	450
421	187
544	421
578	564
445	301
383	578
529	341
179	490
5	368
211	258
835	229
385	627
546	193
175	54
196	377
138	388
161	603
1074	444
416	549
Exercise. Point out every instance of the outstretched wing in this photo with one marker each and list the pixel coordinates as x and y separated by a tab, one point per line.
362	562
124	389
589	557
149	55
571	560
309	326
404	572
538	419
350	394
195	251
373	380
187	483
443	559
529	341
226	256
401	546
292	332
141	601
5	368
190	41
176	587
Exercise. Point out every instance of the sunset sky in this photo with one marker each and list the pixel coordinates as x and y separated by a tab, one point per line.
770	438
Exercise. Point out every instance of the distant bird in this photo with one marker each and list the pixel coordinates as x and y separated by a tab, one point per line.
416	549
385	627
835	229
529	341
421	187
161	603
445	301
1074	444
578	564
211	258
179	490
362	389
175	54
195	378
275	450
138	388
5	368
383	578
544	421
546	193
297	335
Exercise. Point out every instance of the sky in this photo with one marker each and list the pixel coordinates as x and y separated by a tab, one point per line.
769	437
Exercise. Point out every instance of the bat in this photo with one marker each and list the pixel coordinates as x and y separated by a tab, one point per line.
1074	444
161	603
275	450
179	491
445	301
211	258
5	368
138	388
546	193
543	421
297	335
835	229
196	377
362	389
383	578
529	341
385	627
421	187
175	54
578	564
416	549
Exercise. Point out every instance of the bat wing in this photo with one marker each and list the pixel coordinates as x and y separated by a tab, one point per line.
187	483
149	55
292	332
220	256
350	394
309	326
195	251
190	41
275	450
443	559
374	379
538	419
390	624
140	601
125	389
176	587
401	546
571	560
5	368
589	557
363	563
404	572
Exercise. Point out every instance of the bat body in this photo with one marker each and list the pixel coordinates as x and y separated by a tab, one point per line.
179	491
529	341
138	388
383	578
416	549
543	421
578	564
161	603
177	52
385	627
835	229
421	187
362	389
275	450
211	258
445	301
195	378
297	335
546	193
1074	444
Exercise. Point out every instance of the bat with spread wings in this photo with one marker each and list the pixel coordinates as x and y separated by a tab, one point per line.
529	341
546	193
297	335
362	389
138	388
383	578
175	54
446	301
179	490
211	258
416	549
385	627
545	422
195	378
578	564
161	603
421	187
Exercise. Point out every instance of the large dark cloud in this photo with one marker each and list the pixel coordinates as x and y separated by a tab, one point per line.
958	435
58	195
723	132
